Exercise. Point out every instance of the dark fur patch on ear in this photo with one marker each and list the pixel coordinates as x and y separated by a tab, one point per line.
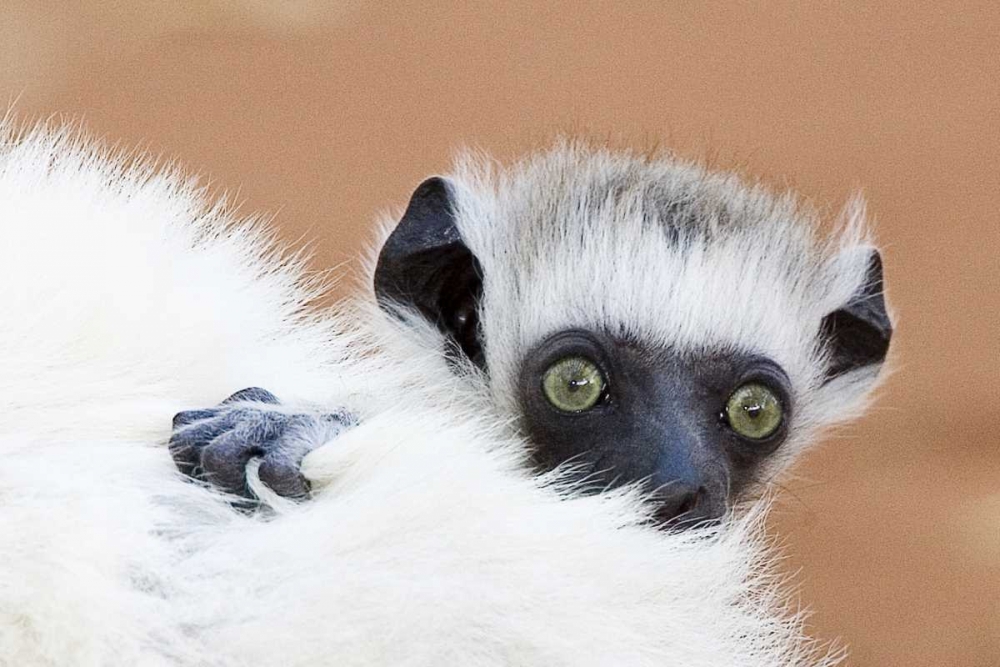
426	265
858	334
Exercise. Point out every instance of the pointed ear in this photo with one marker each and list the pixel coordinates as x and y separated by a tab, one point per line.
425	265
857	335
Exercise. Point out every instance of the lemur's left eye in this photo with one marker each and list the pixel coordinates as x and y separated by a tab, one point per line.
573	384
754	411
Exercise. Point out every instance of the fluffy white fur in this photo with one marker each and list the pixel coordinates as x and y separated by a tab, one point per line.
125	297
665	253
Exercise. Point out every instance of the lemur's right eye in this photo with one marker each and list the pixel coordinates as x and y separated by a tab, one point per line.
573	384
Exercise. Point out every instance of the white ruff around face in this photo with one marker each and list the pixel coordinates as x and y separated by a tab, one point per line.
125	297
661	252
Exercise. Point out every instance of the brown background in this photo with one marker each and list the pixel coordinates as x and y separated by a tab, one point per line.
328	112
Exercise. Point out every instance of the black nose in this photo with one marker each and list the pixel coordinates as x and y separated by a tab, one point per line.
683	505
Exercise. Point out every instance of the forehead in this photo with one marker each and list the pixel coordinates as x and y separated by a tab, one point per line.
661	252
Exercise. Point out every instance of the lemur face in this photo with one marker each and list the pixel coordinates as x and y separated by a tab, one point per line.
643	322
693	428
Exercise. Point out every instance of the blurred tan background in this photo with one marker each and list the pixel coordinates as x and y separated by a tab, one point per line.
326	113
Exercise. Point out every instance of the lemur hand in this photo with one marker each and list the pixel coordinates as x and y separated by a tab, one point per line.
215	445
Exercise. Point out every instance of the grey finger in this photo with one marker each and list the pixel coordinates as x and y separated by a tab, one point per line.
252	395
224	463
186	443
188	417
282	475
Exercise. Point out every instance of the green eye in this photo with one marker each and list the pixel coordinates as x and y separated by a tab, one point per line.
573	384
754	411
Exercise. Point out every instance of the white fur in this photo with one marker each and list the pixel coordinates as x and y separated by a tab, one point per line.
666	253
125	297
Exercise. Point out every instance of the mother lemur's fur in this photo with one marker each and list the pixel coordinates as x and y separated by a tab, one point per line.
676	288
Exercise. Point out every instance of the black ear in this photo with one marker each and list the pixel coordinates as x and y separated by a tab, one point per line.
425	265
858	334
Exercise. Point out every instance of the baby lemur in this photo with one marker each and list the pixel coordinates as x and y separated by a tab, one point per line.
641	320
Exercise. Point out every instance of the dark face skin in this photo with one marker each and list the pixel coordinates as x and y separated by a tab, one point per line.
660	419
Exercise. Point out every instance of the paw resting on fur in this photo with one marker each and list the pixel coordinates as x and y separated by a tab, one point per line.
215	445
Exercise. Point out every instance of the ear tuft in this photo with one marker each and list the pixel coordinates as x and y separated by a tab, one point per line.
426	265
858	334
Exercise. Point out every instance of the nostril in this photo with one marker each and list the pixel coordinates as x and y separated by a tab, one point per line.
683	507
690	502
